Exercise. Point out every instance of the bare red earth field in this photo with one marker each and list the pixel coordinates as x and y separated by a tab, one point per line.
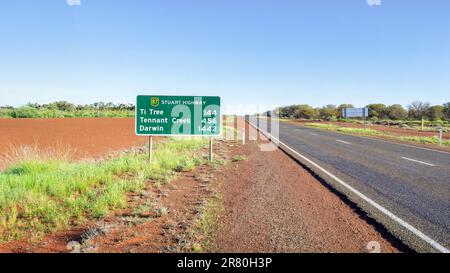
85	137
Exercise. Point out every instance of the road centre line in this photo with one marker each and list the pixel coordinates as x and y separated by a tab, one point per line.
418	161
341	141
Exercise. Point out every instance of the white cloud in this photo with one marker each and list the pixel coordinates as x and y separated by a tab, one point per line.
374	2
73	2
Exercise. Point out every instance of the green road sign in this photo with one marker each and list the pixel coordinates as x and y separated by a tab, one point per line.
178	116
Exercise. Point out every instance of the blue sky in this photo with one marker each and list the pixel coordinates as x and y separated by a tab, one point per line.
249	52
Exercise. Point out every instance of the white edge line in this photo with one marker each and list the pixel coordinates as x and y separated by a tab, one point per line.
418	161
397	219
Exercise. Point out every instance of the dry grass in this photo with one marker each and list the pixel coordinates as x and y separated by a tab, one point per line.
15	155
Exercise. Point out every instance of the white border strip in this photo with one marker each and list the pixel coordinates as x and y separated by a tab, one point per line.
385	211
177	135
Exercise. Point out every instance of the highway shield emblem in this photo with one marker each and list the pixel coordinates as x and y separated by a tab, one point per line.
154	102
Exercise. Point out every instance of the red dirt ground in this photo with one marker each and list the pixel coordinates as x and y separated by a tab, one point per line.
131	232
271	204
85	137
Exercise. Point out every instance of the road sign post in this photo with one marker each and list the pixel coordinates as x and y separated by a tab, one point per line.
150	148
210	149
178	116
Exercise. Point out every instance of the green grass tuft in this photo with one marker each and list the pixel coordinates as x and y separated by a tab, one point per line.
238	158
332	127
425	140
43	195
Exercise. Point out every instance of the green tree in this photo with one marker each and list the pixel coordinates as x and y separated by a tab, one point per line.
99	105
418	109
396	112
377	110
33	105
62	106
25	112
436	112
287	111
304	111
328	112
447	110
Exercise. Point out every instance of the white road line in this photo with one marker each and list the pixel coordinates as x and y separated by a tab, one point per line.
418	161
301	130
341	141
385	211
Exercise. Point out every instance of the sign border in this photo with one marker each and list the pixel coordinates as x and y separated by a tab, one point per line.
365	110
179	135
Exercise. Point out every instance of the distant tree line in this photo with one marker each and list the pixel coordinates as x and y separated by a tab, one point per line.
60	109
417	110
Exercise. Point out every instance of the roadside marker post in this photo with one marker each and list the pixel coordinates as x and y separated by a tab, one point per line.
440	136
243	136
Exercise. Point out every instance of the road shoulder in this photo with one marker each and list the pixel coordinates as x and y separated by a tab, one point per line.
272	204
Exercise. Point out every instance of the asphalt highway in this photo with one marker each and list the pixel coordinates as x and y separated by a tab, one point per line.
411	182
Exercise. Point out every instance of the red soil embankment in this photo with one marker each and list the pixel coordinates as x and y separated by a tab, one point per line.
84	137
